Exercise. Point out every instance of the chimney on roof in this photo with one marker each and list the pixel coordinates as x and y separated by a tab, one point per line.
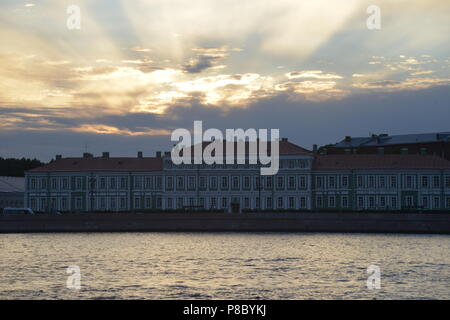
87	155
404	150
58	157
380	150
314	148
284	139
158	154
140	154
348	138
105	155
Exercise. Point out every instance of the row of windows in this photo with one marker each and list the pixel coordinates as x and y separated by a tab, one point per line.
237	182
376	202
283	164
103	183
376	181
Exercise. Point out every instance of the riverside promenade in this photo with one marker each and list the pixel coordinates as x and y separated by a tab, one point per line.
426	223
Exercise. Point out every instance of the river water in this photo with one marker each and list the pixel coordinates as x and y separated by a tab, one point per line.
223	266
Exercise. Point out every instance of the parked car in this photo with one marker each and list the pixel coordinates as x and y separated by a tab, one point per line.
17	211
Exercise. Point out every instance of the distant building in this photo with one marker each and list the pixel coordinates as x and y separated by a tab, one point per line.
305	181
12	192
425	143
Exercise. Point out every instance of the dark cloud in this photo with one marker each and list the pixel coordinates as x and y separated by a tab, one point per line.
303	122
201	63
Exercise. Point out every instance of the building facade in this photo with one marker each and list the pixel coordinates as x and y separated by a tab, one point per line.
304	182
12	192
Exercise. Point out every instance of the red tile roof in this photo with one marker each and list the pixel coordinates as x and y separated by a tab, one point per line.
102	164
285	148
381	161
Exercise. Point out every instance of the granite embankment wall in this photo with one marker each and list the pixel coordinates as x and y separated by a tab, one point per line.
219	222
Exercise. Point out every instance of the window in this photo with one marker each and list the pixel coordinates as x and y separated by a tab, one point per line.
382	202
169	183
319	202
191	202
112	203
258	185
246	203
247	182
360	202
123	183
360	181
409	201
224	203
180	203
54	183
79	184
425	202
180	182
332	201
202	182
269	202
191	182
103	203
148	182
235	182
137	182
371	182
65	183
158	182
64	203
319	182
33	183
258	203
137	203
201	202
291	182
345	181
436	182
303	202
424	182
291	202
302	182
344	202
448	202
409	181
332	182
169	203
280	202
123	203
269	182
280	182
371	202
78	204
33	204
382	182
213	183
393	182
436	203
447	181
213	202
394	202
112	183
224	182
148	203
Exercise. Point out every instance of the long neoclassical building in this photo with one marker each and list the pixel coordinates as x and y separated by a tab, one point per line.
305	181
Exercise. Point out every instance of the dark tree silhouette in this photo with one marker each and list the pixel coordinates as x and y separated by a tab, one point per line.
17	167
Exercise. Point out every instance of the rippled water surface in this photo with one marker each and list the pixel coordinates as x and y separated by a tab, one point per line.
224	266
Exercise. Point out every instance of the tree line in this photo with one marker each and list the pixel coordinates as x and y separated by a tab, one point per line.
17	167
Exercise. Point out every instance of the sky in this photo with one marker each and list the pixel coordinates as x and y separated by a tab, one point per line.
138	69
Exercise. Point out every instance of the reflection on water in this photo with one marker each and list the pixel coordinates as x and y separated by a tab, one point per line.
224	266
